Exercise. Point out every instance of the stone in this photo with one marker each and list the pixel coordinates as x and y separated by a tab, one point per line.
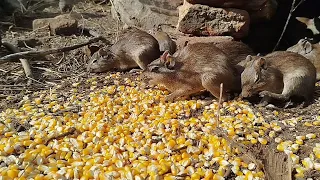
222	3
183	40
63	24
259	10
202	20
147	14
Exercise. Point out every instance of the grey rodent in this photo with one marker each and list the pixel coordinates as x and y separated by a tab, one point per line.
310	51
279	75
164	40
196	67
136	48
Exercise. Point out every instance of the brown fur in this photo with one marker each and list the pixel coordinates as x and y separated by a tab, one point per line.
237	52
136	48
310	51
279	75
196	67
164	40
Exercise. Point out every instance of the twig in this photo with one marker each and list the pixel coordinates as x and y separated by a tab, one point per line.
60	136
298	4
219	105
48	70
11	85
14	56
22	89
24	62
285	26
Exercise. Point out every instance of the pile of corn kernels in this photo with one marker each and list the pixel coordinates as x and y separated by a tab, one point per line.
126	132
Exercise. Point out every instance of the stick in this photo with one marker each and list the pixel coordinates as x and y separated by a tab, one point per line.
24	62
219	105
14	56
60	136
302	1
285	26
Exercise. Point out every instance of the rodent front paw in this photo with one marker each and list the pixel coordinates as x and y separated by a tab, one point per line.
263	93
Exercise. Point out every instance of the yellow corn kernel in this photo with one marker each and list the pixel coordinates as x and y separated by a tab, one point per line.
311	136
262	141
12	173
171	144
307	163
195	176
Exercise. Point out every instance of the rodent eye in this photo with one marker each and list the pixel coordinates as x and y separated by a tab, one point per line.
257	78
155	69
94	61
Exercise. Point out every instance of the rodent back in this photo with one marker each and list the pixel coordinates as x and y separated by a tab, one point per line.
203	57
135	44
237	51
289	62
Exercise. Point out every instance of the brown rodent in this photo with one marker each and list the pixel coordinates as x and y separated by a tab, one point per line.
279	75
135	48
164	40
194	68
310	51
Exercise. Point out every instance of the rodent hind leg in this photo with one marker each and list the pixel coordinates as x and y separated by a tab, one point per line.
183	93
211	83
140	60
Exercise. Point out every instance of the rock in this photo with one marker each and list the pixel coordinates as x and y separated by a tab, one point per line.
167	4
60	25
258	9
204	20
181	41
146	13
64	25
222	3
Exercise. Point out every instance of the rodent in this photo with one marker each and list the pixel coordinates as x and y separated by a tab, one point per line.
279	76
164	40
196	67
310	51
135	48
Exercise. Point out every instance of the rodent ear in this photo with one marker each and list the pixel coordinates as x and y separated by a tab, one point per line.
248	58
164	56
170	62
261	63
304	20
307	47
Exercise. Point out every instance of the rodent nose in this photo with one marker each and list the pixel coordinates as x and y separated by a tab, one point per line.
88	69
244	94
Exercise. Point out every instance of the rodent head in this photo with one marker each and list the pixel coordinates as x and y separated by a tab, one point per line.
253	77
101	61
303	47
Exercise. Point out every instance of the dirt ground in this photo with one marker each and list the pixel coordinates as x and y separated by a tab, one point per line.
61	71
